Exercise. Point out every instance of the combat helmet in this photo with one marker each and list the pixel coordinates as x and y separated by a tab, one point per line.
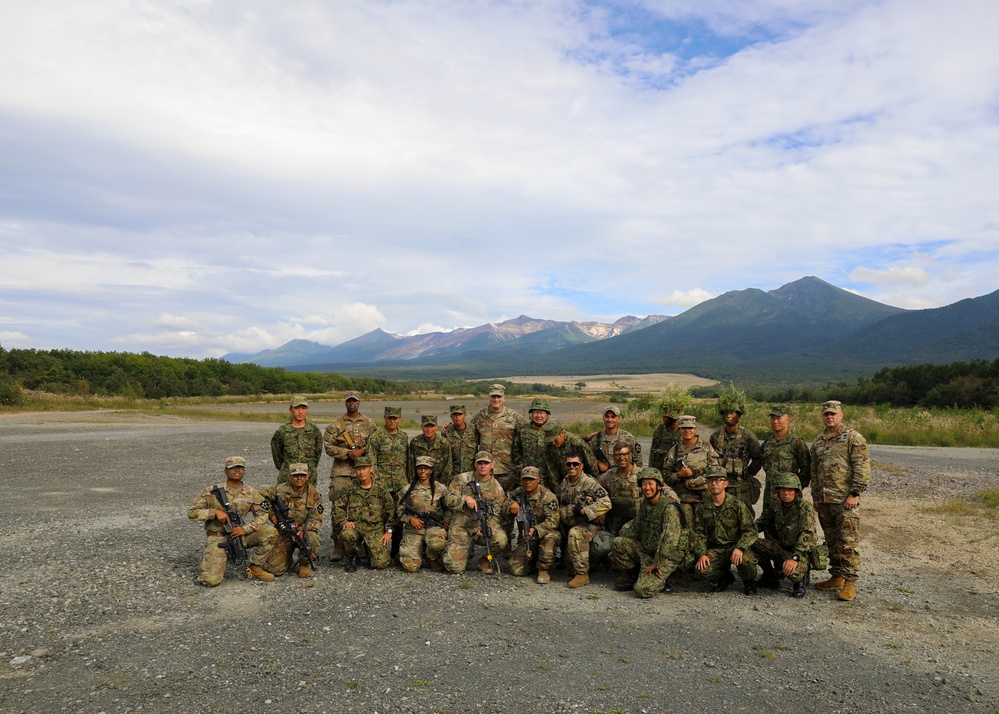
650	473
787	480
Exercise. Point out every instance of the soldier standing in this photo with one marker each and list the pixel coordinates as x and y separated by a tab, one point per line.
739	452
431	444
723	536
420	507
783	452
664	438
495	428
364	513
297	441
582	505
462	439
208	510
346	439
529	443
687	464
544	533
388	449
466	529
841	471
788	528
603	442
305	507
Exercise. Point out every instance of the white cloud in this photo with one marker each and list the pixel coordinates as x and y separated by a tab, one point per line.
915	277
11	340
427	328
686	298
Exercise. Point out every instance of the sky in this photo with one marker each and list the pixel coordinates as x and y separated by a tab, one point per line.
195	178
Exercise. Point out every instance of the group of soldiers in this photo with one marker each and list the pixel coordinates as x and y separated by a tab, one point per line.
544	498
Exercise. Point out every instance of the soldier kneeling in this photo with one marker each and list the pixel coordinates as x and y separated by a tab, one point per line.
788	544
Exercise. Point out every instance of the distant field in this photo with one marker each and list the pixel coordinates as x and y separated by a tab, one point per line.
647	383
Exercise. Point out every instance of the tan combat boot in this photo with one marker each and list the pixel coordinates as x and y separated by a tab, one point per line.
579	580
436	565
337	554
835	583
486	565
304	571
255	572
543	577
849	591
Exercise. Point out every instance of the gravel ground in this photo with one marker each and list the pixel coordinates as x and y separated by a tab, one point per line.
102	612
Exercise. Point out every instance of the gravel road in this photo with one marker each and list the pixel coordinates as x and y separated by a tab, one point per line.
102	612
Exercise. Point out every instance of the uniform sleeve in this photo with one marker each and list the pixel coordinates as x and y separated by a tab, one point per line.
860	460
601	503
747	527
755	453
315	517
204	507
803	458
806	538
334	443
277	449
317	438
388	509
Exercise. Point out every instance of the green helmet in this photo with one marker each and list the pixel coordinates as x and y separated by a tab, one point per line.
787	480
728	403
540	404
650	473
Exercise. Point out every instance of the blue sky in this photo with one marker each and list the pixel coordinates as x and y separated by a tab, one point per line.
195	177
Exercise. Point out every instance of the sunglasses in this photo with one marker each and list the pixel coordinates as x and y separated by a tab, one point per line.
573	464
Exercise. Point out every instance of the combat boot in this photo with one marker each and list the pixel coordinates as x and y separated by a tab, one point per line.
749	587
833	583
770	579
337	554
304	571
486	565
799	588
351	566
670	585
849	590
543	577
626	580
579	580
255	572
436	565
724	581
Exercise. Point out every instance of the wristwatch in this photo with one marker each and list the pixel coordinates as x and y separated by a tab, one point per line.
855	493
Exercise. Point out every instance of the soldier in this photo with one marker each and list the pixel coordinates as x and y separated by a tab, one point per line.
544	533
788	536
346	439
462	439
621	484
208	510
466	529
364	513
560	443
723	536
582	505
686	465
602	442
530	442
305	507
495	428
431	444
388	449
664	438
420	508
657	545
297	441
783	452
841	471
739	452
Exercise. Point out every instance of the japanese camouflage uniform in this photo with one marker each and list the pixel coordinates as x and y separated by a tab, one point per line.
544	506
439	450
372	512
788	532
389	454
787	455
464	531
306	509
463	447
244	499
531	446
579	530
663	439
717	531
741	457
297	445
429	540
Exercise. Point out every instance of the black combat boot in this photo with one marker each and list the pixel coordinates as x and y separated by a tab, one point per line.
724	581
626	581
351	566
749	587
770	579
799	588
670	584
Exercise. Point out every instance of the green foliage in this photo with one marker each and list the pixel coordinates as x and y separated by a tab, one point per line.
10	392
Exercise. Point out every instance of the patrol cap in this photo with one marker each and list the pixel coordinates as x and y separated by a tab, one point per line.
540	405
425	461
779	410
686	420
716	474
483	456
457	409
352	394
393	411
234	461
612	408
530	472
362	461
299	401
552	430
497	390
298	468
429	419
832	407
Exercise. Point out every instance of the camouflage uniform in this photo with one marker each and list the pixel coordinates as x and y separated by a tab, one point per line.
579	530
244	499
494	432
530	446
463	447
389	455
297	445
341	436
659	538
414	542
607	442
740	456
305	507
439	450
372	512
462	536
626	498
788	533
787	455
717	531
555	456
841	464
701	458
663	439
544	505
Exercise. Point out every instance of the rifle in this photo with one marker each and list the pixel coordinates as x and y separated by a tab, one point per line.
602	456
234	548
430	518
287	526
483	509
525	522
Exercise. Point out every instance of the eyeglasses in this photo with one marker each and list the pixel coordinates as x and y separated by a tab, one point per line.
573	464
622	455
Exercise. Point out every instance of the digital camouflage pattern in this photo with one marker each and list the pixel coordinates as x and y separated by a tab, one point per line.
579	530
555	458
717	531
788	530
244	499
659	539
663	439
787	455
389	455
608	442
439	450
464	446
464	531
372	512
625	495
742	458
291	445
417	542
342	435
544	505
531	447
495	433
305	507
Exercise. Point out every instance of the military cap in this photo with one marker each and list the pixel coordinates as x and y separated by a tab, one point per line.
787	480
298	468
234	461
612	408
393	411
352	394
540	405
552	430
650	473
427	461
832	407
530	472
686	420
483	456
497	389
779	410
429	419
716	474
299	401
362	461
457	409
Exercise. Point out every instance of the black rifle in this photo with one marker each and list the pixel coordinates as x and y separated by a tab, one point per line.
287	526
483	509
525	522
602	456
430	518
233	546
